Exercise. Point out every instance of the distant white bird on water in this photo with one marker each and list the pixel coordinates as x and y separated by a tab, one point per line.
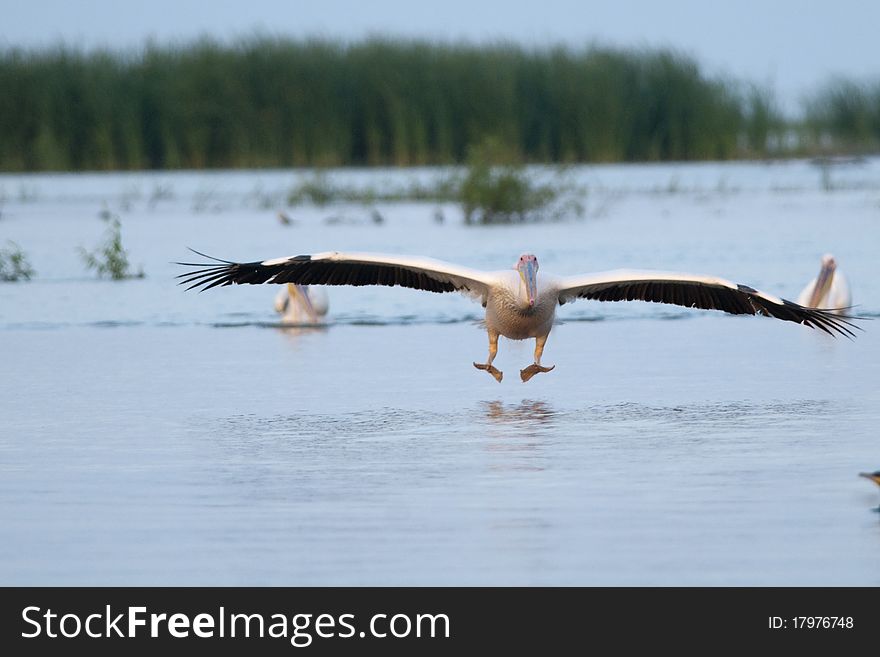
519	305
829	290
301	304
873	476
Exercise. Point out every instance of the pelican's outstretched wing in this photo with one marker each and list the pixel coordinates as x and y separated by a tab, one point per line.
334	268
693	291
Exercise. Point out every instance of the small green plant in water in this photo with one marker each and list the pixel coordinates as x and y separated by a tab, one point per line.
496	189
317	190
14	265
111	259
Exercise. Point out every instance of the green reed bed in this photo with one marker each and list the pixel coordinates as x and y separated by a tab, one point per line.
273	102
844	115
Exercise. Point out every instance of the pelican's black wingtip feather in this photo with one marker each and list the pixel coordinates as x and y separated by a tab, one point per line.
844	314
208	273
199	279
198	273
207	276
205	255
830	322
199	264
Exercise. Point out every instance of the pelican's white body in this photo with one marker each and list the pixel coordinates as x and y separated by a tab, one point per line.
508	311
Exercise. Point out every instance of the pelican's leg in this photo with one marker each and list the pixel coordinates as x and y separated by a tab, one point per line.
493	349
536	367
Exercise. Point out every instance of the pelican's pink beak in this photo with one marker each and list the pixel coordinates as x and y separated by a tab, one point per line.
528	270
823	282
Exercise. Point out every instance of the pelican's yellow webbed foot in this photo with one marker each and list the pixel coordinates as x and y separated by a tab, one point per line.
533	369
491	369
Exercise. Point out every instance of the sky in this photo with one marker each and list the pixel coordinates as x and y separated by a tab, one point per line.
792	45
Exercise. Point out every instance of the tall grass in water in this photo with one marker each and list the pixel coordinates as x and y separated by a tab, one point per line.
110	260
276	102
14	265
496	189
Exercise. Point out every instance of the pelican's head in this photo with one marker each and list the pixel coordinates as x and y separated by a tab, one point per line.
823	280
527	266
873	476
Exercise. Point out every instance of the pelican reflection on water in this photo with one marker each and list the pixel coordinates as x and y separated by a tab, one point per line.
527	411
519	304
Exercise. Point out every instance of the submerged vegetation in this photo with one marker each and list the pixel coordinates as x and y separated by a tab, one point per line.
14	265
110	260
494	187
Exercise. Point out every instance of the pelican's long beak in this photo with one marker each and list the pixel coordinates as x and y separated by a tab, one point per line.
303	293
873	476
529	275
823	285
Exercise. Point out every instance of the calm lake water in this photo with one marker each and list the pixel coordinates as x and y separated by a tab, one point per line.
152	436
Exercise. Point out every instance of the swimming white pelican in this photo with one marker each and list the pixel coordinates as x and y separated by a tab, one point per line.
301	304
829	290
519	304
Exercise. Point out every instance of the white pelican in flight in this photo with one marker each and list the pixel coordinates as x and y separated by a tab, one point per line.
301	304
519	304
829	290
